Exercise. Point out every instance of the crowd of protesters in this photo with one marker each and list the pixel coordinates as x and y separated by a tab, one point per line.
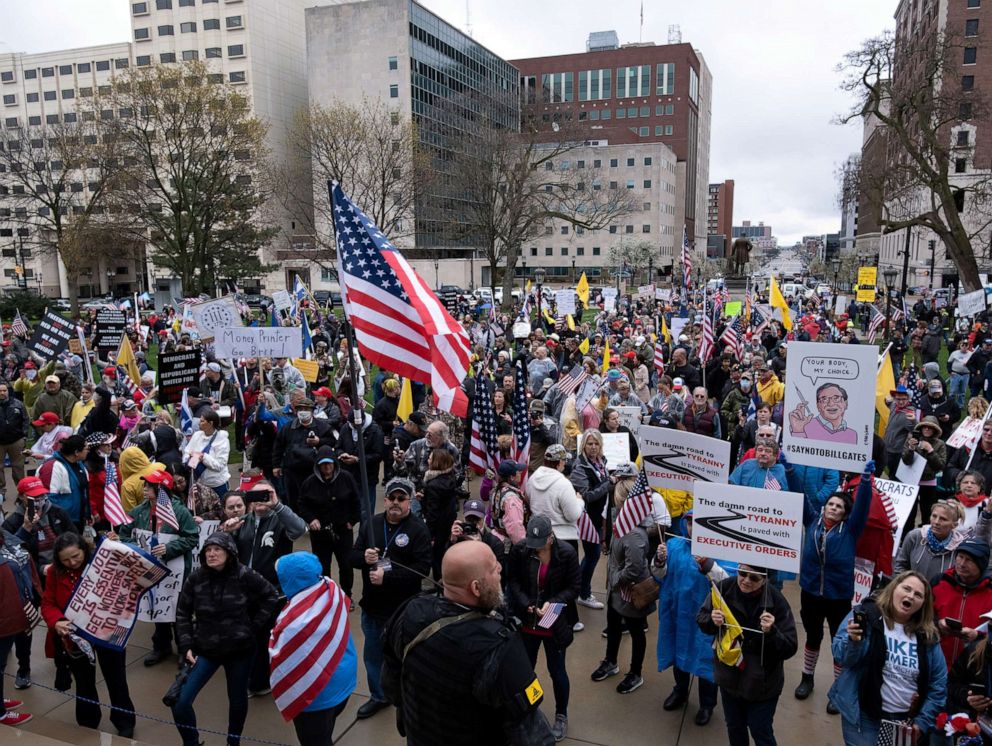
380	481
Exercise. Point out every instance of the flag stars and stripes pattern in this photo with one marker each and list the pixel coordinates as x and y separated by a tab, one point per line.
113	510
521	421
483	449
876	322
636	507
164	511
733	337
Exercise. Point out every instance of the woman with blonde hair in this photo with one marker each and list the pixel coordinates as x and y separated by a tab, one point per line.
930	550
593	483
892	666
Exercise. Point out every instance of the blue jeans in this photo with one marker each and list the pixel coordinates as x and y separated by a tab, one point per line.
221	490
742	716
555	657
237	670
958	389
372	629
590	558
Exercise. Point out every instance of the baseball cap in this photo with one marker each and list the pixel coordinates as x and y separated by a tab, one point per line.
677	383
99	439
323	391
46	418
31	366
538	531
128	405
613	375
52	379
419	419
556	452
213	367
32	487
399	484
509	467
537	405
158	476
474	507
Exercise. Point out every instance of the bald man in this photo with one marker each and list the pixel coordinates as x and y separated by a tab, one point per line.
455	669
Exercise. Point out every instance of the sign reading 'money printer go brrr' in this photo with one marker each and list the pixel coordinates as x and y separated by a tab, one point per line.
265	341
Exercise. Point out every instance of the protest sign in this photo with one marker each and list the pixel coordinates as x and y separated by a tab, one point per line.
159	604
216	314
104	605
564	302
971	304
864	573
733	308
867	278
839	380
899	500
912	472
662	293
281	300
258	341
177	371
678	460
677	327
51	335
967	433
110	326
206	528
840	306
309	368
645	292
616	449
521	330
630	417
609	299
763	528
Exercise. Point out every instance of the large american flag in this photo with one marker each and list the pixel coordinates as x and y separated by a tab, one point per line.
308	641
915	393
483	449
876	322
587	530
113	510
400	325
707	345
733	337
163	511
686	259
521	421
18	328
635	508
659	356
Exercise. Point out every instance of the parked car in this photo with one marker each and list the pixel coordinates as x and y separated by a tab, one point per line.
258	301
321	296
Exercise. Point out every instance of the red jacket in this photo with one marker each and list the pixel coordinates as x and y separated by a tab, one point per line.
876	541
952	599
13	620
98	485
59	585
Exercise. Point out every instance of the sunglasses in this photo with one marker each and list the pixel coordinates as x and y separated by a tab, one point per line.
754	577
397	498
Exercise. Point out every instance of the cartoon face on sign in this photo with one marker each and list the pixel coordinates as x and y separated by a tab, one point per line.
831	401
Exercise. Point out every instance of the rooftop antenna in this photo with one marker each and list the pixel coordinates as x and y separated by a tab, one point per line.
468	17
640	36
674	34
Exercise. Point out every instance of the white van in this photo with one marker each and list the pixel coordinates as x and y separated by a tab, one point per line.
793	289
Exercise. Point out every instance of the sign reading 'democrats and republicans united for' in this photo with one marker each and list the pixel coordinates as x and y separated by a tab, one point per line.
830	404
762	528
675	459
104	606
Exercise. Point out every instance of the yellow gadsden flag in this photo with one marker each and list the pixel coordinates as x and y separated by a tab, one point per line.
885	383
665	334
405	407
584	346
125	358
582	289
729	637
777	300
606	357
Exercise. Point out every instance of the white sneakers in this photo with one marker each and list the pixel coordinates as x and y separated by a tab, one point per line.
591	602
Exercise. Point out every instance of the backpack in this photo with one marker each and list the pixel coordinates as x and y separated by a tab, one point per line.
19	561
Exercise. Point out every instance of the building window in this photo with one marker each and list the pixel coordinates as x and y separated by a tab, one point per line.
215	78
163	4
187	3
643	131
34	121
595	251
141	34
190	54
48	72
630	162
187	27
211	24
10	100
597	163
548	251
7	76
121	63
648	161
632	112
633	81
614	162
613	230
103	90
30	74
580	164
167	57
580	251
606	114
971	27
52	119
658	130
394	91
630	183
621	113
964	110
974	3
102	65
233	22
967	82
143	60
669	129
212	52
49	95
237	77
32	98
68	93
647	183
83	67
594	85
665	78
628	229
236	50
564	251
645	111
166	30
86	92
960	165
394	63
963	138
694	86
557	87
65	69
970	55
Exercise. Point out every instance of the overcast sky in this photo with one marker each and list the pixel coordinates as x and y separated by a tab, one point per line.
775	91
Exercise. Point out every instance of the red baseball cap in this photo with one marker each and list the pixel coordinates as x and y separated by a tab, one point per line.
32	487
46	418
163	478
110	370
323	391
29	365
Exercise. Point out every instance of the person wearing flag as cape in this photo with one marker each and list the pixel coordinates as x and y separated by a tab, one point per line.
756	634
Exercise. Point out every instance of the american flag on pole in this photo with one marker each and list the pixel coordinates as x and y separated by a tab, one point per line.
686	259
707	345
587	531
18	327
915	394
113	510
659	356
521	421
162	509
310	637
893	733
733	337
571	381
483	449
399	323
771	483
635	508
875	323
759	320
548	617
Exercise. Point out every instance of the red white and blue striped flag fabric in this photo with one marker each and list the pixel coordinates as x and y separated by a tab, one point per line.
635	508
707	345
163	510
483	448
113	509
400	324
19	328
587	531
875	323
550	615
733	337
686	260
521	421
308	641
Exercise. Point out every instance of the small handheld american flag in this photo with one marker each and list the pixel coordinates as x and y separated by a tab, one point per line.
771	483
162	509
635	508
548	617
893	733
113	510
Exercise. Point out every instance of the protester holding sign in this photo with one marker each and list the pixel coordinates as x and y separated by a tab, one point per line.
925	443
827	571
892	667
929	550
981	461
71	556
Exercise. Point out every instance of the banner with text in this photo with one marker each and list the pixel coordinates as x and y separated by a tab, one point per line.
104	605
761	528
110	326
214	315
177	371
676	459
51	335
899	500
259	341
159	604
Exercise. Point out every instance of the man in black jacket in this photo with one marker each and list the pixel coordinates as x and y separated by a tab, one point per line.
393	564
13	430
330	505
295	450
375	452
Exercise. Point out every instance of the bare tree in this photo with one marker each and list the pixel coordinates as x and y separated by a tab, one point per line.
635	256
193	154
911	89
57	182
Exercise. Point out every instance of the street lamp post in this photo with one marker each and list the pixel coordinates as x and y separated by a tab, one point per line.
573	271
890	277
835	266
539	279
110	277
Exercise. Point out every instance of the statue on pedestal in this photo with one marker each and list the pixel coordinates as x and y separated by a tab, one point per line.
740	252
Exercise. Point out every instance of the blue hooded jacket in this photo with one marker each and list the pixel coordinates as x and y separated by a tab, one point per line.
297	572
684	589
817	483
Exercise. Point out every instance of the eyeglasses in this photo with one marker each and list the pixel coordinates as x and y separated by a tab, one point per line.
829	399
397	498
754	577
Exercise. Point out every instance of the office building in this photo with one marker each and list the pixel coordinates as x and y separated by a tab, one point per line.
719	219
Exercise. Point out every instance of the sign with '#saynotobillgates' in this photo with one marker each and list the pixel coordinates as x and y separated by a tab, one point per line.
258	341
761	528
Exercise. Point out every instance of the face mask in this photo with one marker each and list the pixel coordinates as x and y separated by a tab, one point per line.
306	416
31	374
745	385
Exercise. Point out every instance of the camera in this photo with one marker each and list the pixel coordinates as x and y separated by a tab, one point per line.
469	528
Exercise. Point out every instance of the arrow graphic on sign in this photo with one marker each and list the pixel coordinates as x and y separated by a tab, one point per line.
715	524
